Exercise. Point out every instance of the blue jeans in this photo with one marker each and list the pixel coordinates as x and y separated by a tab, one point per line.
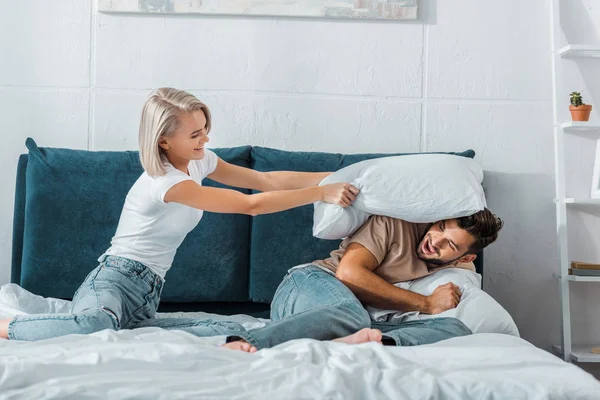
118	294
310	303
115	295
311	290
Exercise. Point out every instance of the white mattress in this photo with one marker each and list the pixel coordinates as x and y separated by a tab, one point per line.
151	363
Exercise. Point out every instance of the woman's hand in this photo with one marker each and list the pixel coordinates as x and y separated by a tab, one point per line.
342	194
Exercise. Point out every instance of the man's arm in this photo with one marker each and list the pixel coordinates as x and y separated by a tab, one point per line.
356	271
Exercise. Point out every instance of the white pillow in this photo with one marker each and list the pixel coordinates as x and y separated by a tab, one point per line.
334	222
477	309
459	276
415	188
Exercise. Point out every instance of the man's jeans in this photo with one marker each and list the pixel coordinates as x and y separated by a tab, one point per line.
310	289
311	303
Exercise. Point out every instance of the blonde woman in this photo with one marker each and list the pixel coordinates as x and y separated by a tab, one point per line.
161	208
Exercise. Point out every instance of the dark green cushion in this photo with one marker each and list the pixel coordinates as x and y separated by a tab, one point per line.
283	240
73	203
67	206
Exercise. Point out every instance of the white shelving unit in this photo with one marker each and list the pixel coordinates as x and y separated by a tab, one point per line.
581	202
584	129
575	278
579	50
572	52
582	353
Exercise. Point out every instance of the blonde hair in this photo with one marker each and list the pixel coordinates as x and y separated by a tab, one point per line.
161	117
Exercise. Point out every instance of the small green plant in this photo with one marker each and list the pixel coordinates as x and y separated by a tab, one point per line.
576	99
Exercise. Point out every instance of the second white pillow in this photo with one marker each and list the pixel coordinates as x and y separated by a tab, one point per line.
476	309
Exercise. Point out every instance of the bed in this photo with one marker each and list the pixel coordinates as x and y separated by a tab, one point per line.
67	205
151	363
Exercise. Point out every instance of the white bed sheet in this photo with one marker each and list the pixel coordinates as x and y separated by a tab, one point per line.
155	364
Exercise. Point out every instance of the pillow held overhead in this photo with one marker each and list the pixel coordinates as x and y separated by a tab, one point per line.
419	188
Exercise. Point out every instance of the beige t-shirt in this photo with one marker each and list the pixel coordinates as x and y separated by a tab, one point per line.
394	243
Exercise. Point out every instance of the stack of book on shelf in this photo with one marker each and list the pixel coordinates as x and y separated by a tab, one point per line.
584	269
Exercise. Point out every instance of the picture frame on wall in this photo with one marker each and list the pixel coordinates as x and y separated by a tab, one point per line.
397	10
595	191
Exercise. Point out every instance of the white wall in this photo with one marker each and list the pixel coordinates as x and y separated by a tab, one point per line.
468	74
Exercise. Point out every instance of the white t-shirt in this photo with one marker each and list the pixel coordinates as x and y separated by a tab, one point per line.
150	230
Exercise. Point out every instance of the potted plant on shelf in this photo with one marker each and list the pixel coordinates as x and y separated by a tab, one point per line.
579	110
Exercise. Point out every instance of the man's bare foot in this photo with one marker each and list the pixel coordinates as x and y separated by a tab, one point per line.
365	335
241	346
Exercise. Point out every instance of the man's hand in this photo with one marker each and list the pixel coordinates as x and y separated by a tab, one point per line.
443	298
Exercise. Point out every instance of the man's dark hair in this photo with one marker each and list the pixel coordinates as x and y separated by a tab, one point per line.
483	226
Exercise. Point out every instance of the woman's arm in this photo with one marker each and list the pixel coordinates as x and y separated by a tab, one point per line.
247	178
231	201
286	180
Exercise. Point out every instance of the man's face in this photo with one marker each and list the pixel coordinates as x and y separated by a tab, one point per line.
445	243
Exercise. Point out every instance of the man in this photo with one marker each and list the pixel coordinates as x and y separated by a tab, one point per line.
383	252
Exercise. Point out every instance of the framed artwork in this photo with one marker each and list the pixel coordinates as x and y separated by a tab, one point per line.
349	9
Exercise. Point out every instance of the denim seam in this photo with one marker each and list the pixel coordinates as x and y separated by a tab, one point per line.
78	316
431	321
132	269
11	327
281	285
26	318
147	299
23	319
122	270
93	288
108	311
146	276
331	287
135	267
293	292
88	276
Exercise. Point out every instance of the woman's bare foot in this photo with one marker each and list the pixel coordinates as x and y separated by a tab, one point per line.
4	328
241	346
365	335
